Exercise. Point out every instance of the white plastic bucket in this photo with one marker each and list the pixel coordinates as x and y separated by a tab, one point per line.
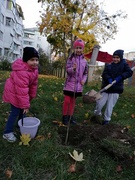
30	126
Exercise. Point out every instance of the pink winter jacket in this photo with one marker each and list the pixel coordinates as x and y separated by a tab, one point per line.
21	87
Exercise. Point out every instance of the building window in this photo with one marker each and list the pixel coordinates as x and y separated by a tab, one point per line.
8	21
38	46
0	51
9	4
2	18
14	56
1	35
28	43
26	35
6	51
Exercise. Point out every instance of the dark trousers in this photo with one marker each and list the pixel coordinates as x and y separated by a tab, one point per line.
15	112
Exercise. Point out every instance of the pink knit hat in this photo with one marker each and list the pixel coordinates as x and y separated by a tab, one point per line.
79	42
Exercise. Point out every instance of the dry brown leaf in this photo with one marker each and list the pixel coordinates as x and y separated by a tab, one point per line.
59	123
55	122
80	104
115	114
86	122
119	168
9	173
72	168
5	119
132	115
40	137
128	127
49	135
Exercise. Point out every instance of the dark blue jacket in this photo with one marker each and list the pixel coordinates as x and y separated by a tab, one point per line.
114	70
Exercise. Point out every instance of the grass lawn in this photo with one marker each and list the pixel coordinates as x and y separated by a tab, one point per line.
47	157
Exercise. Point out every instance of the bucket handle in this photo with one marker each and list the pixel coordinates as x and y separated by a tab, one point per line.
24	115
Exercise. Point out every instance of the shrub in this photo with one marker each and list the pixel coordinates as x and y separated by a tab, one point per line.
5	64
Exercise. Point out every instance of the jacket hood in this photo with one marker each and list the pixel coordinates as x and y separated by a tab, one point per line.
119	53
19	65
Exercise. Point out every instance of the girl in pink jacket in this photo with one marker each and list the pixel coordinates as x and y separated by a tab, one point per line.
77	72
20	88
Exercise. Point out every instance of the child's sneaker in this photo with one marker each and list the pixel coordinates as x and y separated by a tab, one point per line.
105	122
9	137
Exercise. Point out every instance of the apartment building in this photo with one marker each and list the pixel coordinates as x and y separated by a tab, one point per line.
11	29
130	55
33	38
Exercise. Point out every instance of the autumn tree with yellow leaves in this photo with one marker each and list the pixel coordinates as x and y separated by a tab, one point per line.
62	21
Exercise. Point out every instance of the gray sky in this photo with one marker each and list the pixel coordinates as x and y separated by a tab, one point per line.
125	38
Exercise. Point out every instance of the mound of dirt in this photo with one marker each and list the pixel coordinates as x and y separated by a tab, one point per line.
95	132
86	136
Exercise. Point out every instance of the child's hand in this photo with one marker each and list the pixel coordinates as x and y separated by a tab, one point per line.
110	80
118	79
74	67
82	83
25	111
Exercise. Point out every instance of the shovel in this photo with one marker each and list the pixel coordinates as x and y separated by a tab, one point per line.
94	96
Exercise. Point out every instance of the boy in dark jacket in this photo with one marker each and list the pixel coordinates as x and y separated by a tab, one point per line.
118	70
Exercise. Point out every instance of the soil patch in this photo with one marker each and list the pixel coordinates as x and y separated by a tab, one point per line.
96	132
111	138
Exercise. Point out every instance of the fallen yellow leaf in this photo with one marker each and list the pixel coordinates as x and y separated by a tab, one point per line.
25	139
86	115
55	98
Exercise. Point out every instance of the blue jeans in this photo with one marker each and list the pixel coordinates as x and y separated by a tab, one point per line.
15	112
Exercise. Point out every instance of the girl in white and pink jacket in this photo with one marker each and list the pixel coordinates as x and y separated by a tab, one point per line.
20	88
77	72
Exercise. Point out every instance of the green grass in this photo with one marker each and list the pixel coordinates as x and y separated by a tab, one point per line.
49	159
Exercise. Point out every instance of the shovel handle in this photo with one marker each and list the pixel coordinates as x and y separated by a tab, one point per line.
133	68
108	86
